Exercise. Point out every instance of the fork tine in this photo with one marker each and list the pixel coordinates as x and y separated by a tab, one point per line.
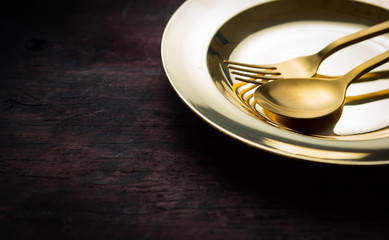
249	65
251	70
251	80
255	76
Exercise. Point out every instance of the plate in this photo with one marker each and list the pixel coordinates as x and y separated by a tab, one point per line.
202	34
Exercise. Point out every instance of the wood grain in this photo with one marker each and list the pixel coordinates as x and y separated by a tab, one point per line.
96	144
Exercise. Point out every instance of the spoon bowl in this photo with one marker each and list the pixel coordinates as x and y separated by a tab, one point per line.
326	124
301	98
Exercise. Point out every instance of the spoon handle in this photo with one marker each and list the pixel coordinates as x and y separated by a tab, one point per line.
365	67
353	38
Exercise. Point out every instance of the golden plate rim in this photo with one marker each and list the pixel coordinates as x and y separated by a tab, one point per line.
183	54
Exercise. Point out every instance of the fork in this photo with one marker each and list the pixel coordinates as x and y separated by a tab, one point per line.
303	66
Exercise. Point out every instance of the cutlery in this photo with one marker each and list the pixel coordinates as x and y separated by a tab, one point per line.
311	97
303	66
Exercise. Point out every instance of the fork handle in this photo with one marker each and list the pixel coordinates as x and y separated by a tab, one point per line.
353	38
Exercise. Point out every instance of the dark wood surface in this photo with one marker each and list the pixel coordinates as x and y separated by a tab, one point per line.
95	143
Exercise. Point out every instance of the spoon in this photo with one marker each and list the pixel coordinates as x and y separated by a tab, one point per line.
325	125
311	97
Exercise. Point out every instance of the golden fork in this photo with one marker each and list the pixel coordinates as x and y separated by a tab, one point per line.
304	66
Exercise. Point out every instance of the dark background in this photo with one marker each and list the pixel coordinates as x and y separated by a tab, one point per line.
95	143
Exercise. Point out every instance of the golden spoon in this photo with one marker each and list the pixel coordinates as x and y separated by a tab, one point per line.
311	97
326	124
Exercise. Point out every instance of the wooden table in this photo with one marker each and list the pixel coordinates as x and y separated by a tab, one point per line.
95	144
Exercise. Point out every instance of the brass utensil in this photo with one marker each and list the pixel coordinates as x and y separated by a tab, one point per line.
304	66
325	125
311	97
